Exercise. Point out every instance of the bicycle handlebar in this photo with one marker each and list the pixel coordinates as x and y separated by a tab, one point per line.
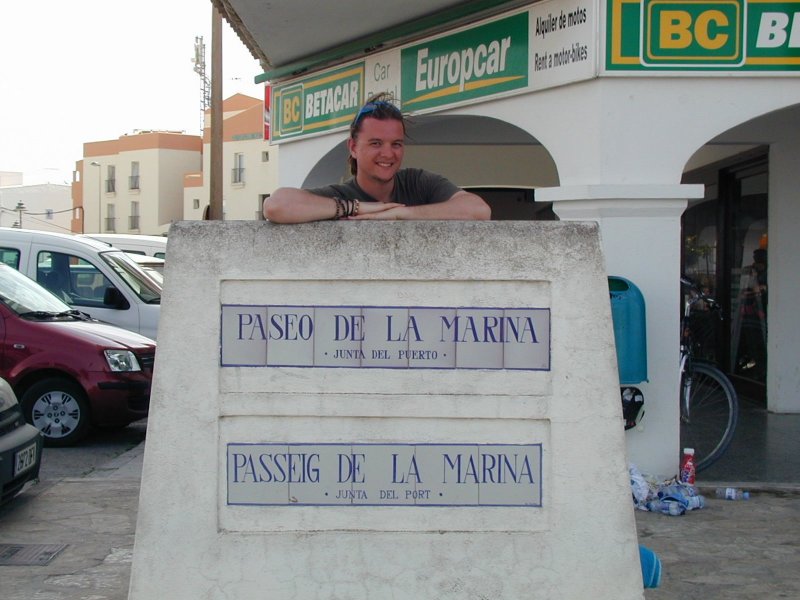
697	296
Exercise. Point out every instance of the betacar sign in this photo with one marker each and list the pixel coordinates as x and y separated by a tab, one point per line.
317	104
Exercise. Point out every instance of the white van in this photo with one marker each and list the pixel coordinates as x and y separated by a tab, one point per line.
150	245
91	276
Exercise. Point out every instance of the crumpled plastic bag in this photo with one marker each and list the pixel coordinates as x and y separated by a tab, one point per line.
670	497
640	488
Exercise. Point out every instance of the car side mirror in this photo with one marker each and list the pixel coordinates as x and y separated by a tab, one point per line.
114	298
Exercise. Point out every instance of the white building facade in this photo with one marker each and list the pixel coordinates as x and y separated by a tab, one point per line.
672	124
145	181
44	207
134	184
249	163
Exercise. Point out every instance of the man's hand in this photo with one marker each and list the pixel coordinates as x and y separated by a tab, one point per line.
461	206
381	211
376	211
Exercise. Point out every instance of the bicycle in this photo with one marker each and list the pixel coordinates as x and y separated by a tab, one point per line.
709	406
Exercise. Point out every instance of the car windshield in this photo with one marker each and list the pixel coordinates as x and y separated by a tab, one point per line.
143	286
23	295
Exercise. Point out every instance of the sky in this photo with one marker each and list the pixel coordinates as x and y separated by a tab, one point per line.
91	70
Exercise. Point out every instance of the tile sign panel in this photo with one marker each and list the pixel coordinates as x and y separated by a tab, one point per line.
486	475
387	337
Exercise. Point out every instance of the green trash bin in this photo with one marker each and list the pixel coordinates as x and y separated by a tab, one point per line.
630	331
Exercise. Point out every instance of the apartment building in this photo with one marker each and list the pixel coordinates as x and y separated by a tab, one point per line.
133	184
249	162
142	182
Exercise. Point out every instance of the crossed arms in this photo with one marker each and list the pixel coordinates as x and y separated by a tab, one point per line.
294	205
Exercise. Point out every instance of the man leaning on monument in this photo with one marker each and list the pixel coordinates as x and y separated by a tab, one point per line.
379	189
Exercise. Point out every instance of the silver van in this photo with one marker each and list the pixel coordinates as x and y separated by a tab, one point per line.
90	276
149	245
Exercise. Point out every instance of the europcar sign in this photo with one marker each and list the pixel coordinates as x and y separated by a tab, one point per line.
476	62
742	35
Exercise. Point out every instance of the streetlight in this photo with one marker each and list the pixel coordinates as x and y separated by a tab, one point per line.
99	208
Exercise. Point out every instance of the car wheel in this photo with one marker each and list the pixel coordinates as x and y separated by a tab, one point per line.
58	408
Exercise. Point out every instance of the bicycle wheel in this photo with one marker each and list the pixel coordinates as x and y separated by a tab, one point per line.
713	412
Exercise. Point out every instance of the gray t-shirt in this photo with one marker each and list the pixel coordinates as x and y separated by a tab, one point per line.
412	187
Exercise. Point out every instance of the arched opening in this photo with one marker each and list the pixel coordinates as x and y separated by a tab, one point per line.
725	240
492	158
738	242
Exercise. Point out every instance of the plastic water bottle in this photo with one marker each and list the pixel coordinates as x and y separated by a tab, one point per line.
688	471
684	494
667	507
695	502
731	494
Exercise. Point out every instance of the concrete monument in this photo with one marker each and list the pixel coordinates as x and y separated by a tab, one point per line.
363	410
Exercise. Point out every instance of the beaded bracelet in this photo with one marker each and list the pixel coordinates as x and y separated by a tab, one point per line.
339	208
345	208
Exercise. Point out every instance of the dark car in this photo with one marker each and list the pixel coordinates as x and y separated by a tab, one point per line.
20	446
69	371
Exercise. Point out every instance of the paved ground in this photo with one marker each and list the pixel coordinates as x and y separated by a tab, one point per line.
728	550
95	516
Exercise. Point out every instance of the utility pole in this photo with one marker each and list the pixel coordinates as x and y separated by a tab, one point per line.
215	157
20	208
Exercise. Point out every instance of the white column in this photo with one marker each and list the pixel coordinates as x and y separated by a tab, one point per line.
783	376
640	228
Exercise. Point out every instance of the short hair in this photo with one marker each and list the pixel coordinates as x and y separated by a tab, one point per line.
378	106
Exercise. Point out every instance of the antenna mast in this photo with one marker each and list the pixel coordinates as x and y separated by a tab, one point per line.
199	61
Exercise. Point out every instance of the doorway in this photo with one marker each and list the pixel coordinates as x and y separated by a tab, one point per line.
725	250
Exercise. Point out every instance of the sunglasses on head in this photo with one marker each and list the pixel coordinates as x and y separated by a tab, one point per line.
379	106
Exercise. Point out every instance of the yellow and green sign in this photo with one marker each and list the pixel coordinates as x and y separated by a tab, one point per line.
317	104
710	35
473	63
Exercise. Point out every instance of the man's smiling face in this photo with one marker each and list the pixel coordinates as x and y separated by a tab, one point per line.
378	149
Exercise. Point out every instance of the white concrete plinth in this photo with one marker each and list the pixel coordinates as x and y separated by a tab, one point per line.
354	410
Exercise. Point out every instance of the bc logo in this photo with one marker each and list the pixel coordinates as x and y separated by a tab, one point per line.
291	110
692	32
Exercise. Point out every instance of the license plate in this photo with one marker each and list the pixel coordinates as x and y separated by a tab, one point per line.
24	459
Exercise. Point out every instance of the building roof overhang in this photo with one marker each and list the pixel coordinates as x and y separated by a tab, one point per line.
290	37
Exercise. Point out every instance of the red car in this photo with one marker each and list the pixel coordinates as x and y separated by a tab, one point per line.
69	371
